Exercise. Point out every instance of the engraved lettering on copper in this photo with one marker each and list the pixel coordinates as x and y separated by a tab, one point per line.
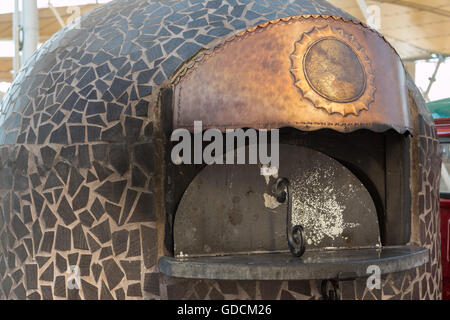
333	71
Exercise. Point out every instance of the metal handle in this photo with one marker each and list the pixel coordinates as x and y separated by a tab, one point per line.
295	237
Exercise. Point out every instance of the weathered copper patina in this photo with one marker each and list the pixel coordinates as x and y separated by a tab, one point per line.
305	72
333	70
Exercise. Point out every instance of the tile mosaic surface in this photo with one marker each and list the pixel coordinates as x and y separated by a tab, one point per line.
76	186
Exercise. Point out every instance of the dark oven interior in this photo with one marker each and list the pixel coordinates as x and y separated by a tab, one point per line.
380	162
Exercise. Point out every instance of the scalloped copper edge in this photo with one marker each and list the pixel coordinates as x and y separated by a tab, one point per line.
201	56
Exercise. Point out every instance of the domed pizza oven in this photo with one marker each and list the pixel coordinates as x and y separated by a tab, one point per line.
344	149
87	181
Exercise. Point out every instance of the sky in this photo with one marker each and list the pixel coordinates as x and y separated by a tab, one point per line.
424	69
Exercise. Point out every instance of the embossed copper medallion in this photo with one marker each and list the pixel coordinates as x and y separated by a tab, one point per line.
333	71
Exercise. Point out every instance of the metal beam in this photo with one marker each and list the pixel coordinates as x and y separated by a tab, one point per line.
418	6
30	28
432	79
16	27
56	13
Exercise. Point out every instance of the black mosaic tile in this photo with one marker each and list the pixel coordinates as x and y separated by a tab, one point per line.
134	290
97	209
59	135
47	293
68	153
52	181
75	117
20	230
102	172
79	238
37	235
70	102
89	290
38	201
49	218
59	288
113	134
141	110
47	241
44	132
302	287
143	155
2	267
76	179
17	275
22	160
132	128
61	263
6	285
63	239
112	272
119	86
85	264
62	169
11	258
102	231
120	241
105	294
84	160
41	260
66	212
72	258
49	197
112	190
77	133
269	289
113	211
20	182
21	253
151	283
134	248
20	292
129	201
96	271
120	294
34	296
113	112
48	273
96	107
93	133
119	158
31	276
132	269
86	218
90	177
81	199
105	253
144	211
149	249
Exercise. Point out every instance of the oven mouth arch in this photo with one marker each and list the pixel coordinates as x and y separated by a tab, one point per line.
344	152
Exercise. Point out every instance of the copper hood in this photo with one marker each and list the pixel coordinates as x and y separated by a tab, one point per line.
306	72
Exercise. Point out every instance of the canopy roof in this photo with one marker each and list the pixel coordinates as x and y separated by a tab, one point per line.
415	28
440	108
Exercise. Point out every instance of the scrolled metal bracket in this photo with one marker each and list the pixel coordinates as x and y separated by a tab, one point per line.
295	235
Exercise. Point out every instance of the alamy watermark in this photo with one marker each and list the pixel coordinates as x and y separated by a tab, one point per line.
74	277
190	148
374	280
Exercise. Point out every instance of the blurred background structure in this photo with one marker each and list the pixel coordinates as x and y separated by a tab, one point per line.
418	30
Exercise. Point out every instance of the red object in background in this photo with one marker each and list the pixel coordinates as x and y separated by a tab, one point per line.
445	247
443	131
